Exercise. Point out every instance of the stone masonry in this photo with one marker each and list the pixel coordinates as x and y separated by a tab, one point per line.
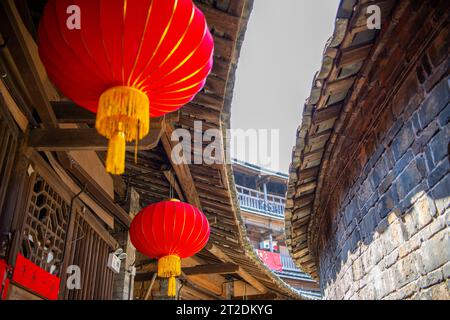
124	281
392	239
367	210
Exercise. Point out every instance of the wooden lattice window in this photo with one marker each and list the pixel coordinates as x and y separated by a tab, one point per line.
45	239
90	252
45	227
8	149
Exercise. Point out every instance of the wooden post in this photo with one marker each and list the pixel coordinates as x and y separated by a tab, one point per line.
150	287
229	290
124	281
13	211
265	196
271	241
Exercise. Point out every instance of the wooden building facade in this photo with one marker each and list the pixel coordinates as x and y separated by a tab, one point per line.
262	197
59	208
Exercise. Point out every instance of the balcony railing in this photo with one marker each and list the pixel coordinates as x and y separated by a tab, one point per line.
254	200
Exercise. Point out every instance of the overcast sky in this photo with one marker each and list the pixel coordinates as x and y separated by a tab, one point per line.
281	53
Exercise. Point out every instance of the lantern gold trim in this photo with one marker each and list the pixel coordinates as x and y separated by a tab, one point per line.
123	116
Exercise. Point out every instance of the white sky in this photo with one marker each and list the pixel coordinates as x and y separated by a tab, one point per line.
281	53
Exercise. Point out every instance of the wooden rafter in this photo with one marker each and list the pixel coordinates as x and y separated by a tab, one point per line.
181	170
266	296
216	251
20	46
84	139
220	268
190	190
170	176
70	112
200	291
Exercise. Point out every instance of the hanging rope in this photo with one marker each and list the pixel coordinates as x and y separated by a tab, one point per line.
171	182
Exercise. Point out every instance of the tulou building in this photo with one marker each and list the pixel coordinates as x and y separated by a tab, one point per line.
65	222
114	177
367	211
261	195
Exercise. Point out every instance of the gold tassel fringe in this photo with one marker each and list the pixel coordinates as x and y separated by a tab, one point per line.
172	287
123	114
115	159
170	267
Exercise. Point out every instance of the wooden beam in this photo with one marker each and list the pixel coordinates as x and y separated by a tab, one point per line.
189	293
216	251
144	276
94	186
181	170
149	289
84	139
20	44
353	55
152	263
203	291
211	282
221	20
221	268
13	108
70	112
339	86
330	112
170	176
206	269
94	204
24	9
266	296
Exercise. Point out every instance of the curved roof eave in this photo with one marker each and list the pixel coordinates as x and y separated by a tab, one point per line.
346	60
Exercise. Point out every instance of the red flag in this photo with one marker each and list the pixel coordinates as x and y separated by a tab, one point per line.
271	259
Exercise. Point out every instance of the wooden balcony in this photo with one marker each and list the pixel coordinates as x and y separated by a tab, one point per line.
257	202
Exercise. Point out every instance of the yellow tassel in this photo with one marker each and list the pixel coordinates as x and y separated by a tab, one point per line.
115	159
124	110
170	267
172	288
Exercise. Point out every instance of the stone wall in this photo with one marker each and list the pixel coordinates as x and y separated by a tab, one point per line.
124	281
391	237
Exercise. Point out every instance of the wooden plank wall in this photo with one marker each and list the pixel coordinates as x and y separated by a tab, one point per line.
9	146
90	253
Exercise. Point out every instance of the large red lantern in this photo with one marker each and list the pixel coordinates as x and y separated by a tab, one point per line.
169	231
125	60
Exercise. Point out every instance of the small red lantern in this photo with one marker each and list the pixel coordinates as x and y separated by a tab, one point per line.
127	61
169	231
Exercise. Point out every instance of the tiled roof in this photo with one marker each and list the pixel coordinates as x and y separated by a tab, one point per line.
344	66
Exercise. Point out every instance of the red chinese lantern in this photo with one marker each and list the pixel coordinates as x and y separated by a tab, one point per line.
127	61
169	231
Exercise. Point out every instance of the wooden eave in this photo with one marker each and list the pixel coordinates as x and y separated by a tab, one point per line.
211	188
348	58
261	174
214	184
345	115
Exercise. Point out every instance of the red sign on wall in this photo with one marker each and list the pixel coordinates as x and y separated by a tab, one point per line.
4	281
36	279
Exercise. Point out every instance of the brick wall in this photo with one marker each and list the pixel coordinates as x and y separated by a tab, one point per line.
391	236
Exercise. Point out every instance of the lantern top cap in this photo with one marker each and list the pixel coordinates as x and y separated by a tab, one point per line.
173	200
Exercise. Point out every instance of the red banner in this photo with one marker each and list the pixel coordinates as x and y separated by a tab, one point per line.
36	279
4	281
271	259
